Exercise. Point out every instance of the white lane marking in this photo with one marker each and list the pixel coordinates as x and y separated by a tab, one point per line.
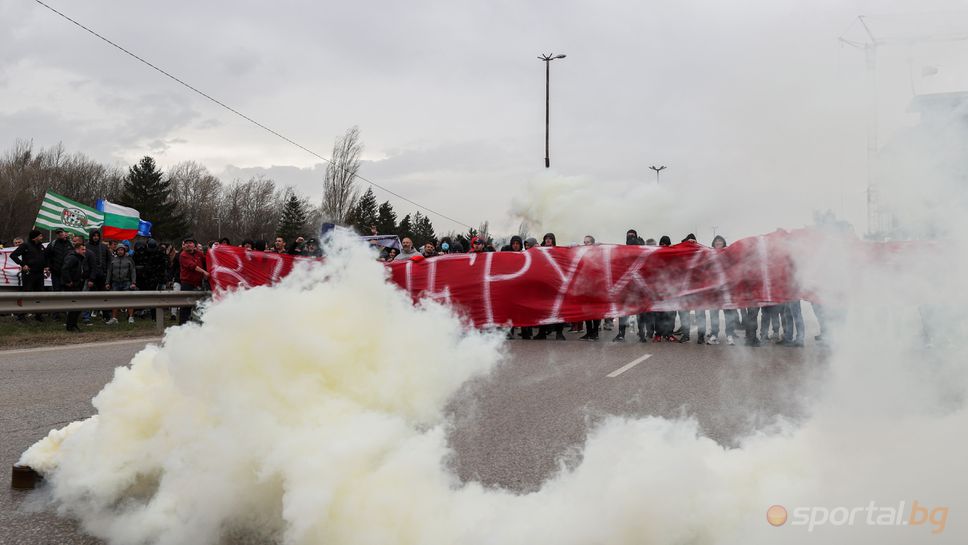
628	366
143	340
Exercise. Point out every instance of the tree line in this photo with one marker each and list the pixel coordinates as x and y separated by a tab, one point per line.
186	199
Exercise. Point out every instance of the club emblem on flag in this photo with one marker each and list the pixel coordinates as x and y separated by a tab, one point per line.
74	217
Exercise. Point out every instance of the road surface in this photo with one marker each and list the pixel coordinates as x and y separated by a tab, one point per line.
511	428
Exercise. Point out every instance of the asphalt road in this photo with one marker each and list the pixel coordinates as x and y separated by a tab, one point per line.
510	428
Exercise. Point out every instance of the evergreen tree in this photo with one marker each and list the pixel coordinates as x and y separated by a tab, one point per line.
405	229
386	219
292	223
364	214
148	192
423	229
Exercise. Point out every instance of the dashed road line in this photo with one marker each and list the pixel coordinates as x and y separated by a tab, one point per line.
628	366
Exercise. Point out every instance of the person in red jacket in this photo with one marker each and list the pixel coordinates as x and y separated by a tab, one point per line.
191	267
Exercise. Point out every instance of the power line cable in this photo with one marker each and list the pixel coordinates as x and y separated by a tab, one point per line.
243	116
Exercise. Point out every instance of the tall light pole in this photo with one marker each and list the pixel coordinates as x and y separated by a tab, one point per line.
657	171
547	60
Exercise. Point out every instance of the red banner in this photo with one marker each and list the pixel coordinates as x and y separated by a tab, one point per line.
569	284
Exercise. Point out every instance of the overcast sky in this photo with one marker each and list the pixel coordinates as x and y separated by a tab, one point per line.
756	109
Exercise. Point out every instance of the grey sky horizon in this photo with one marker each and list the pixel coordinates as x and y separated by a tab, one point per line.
756	108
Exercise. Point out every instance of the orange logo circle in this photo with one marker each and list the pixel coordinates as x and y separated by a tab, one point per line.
776	515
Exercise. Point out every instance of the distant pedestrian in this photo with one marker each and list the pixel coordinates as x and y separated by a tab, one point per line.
98	259
75	276
192	272
56	252
33	263
122	276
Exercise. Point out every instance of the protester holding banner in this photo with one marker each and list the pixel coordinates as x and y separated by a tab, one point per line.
731	315
191	272
632	239
549	241
407	251
665	322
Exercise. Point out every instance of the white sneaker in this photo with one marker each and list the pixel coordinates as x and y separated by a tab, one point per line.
112	321
130	319
729	340
712	340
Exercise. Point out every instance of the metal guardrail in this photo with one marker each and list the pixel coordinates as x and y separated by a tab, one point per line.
55	301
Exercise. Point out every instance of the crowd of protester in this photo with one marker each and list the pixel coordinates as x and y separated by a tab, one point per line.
78	263
781	324
74	263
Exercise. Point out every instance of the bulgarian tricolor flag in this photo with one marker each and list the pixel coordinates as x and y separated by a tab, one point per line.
121	222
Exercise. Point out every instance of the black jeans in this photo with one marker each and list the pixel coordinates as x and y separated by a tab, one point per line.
31	281
771	320
185	313
750	321
665	323
792	315
73	315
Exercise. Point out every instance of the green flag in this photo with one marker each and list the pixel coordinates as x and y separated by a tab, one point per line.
57	211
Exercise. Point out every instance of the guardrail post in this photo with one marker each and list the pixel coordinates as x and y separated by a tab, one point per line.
160	319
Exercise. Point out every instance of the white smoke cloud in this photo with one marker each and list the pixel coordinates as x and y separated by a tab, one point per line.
572	207
313	412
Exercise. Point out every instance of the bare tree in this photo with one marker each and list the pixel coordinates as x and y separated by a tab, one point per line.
198	193
26	174
339	186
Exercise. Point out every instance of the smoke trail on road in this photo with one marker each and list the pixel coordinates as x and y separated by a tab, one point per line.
312	412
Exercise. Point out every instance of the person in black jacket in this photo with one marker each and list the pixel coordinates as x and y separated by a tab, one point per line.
665	321
155	265
98	259
33	261
549	240
632	238
517	245
75	275
56	252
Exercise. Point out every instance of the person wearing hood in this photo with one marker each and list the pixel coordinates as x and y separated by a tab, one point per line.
98	260
731	315
155	265
632	238
685	316
530	242
549	241
122	276
515	245
665	321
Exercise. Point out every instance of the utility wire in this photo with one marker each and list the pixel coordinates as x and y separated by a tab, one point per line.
243	116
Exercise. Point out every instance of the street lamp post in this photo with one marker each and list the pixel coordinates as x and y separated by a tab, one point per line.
657	171
547	60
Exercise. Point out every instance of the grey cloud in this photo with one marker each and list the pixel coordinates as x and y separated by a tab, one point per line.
737	100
